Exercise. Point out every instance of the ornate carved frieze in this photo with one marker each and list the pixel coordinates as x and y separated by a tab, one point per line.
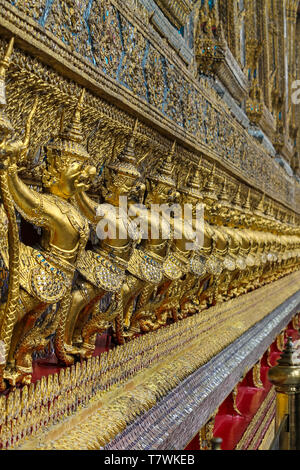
110	74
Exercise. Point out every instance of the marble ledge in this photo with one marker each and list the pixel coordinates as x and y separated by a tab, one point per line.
168	31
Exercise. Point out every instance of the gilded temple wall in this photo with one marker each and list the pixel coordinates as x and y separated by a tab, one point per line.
158	101
139	70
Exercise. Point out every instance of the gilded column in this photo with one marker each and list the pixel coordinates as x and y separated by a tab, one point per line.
296	162
228	11
254	107
273	78
265	62
291	13
280	91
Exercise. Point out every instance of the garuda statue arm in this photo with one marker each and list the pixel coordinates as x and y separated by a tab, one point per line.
28	201
87	207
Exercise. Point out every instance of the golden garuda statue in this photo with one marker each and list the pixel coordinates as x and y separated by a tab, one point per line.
40	276
104	268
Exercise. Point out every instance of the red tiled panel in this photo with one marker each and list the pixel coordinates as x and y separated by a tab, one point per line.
194	444
45	367
230	428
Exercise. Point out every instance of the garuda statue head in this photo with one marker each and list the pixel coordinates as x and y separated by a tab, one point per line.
69	167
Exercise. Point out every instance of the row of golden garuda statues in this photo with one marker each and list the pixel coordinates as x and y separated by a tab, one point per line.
61	291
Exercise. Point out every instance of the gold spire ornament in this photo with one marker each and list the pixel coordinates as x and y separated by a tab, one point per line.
193	183
270	211
195	178
247	205
223	196
126	162
69	141
164	173
237	198
5	124
209	190
261	206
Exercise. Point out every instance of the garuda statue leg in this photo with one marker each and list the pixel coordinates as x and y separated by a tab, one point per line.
84	297
19	365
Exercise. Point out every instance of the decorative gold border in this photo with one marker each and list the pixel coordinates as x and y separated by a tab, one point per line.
109	413
268	437
256	430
